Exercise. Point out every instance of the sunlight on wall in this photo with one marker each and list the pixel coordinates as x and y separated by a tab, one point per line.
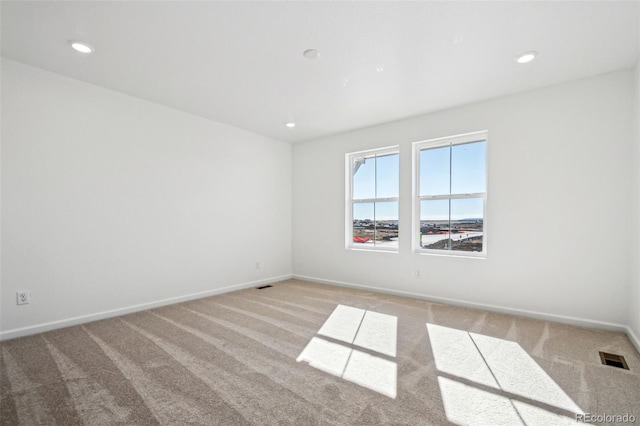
359	346
486	380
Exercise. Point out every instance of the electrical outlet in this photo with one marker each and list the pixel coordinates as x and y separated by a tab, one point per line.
418	273
257	265
23	297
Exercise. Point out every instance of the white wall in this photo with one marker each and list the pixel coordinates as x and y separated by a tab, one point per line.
559	205
634	297
109	201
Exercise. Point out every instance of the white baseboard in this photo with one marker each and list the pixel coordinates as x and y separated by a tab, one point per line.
581	322
633	337
40	328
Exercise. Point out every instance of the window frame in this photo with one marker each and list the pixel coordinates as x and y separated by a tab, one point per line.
350	201
449	141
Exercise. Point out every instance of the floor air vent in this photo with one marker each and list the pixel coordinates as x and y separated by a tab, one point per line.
613	360
264	286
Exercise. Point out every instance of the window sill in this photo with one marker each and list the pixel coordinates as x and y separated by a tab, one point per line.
373	249
461	255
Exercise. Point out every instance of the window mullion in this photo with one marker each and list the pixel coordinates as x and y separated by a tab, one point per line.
450	189
375	225
450	165
375	186
375	176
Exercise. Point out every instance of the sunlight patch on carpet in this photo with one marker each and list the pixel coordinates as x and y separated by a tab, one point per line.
378	333
486	380
343	323
326	356
367	358
372	372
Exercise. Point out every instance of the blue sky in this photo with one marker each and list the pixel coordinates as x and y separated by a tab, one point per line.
383	211
467	208
467	164
365	185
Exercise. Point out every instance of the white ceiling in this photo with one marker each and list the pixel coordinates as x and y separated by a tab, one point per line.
241	63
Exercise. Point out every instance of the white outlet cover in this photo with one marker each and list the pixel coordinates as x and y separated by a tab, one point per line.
23	297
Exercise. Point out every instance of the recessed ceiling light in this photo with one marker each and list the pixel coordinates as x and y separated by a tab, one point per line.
311	54
80	46
526	57
290	124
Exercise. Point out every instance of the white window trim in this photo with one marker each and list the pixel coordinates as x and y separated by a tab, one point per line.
440	142
349	157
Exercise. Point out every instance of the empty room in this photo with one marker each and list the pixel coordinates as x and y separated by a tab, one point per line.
310	212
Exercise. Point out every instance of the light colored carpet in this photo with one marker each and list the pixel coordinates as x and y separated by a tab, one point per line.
302	354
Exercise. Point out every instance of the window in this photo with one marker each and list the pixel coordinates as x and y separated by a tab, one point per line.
451	195
372	199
